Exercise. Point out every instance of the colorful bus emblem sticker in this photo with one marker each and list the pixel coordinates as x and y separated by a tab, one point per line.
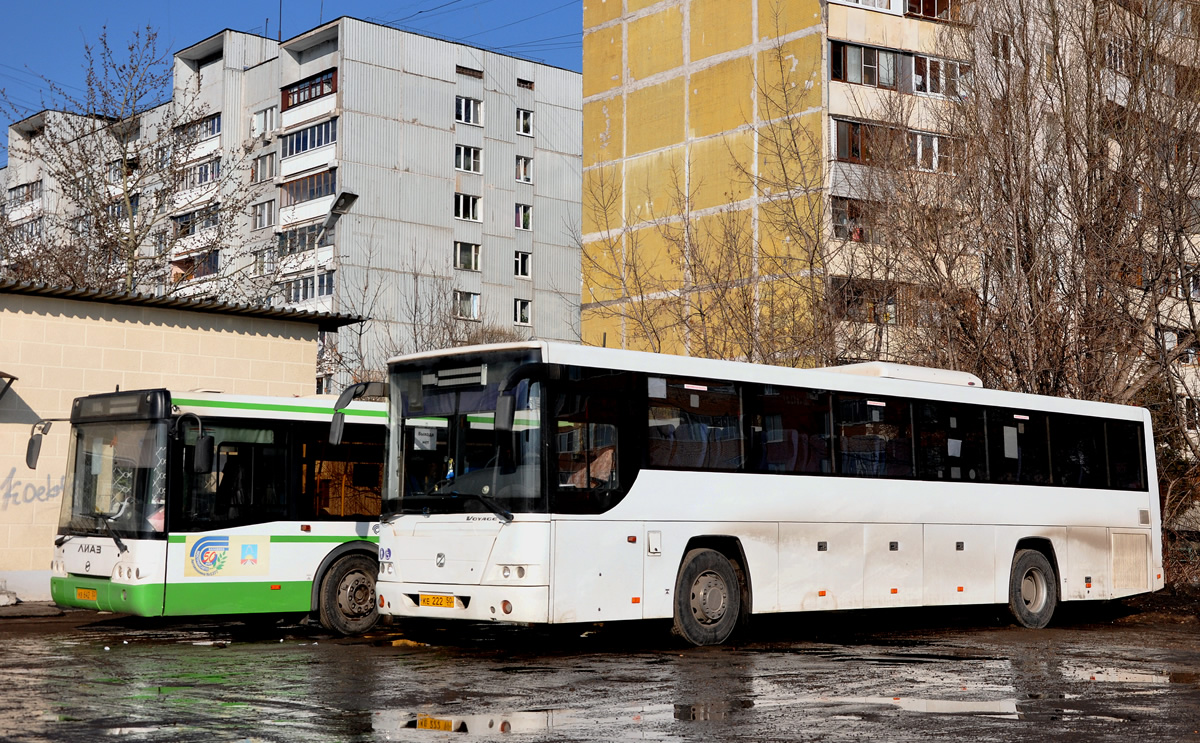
208	554
226	556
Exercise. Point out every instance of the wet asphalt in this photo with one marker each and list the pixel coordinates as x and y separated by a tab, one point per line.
1100	673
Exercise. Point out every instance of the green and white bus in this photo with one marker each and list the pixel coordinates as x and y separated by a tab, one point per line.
200	503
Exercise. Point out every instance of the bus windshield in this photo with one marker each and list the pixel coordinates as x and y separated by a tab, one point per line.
453	460
116	480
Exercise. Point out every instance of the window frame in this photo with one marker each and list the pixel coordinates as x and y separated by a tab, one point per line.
468	110
467	155
523	217
473	250
524	122
461	298
325	83
466	207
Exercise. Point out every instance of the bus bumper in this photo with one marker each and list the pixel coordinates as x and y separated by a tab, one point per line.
522	604
102	594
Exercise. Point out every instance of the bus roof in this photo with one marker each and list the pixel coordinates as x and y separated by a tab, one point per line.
888	379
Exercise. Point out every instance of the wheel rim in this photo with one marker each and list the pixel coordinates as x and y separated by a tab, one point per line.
356	595
710	598
1033	590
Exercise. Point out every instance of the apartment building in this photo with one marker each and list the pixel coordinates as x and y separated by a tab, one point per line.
427	185
687	103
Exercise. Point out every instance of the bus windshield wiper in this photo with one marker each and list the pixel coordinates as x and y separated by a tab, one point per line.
502	514
104	521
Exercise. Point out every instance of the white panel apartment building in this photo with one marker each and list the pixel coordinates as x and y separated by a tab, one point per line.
466	166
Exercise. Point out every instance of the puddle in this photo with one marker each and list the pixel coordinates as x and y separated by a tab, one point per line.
396	725
711	711
1122	675
1001	708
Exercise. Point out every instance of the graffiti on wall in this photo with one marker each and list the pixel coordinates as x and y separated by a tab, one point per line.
14	492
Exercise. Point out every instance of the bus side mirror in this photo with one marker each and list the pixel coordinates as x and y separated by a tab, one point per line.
34	448
202	461
506	408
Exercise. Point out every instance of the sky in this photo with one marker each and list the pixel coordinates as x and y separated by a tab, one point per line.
46	38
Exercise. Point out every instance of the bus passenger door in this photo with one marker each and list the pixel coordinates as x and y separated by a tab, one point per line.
597	571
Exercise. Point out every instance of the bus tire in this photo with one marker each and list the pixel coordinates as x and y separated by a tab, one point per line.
347	599
708	598
1032	589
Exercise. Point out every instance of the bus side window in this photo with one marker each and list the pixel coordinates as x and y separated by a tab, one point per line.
950	441
1126	452
874	436
344	481
694	424
1018	447
789	430
1077	451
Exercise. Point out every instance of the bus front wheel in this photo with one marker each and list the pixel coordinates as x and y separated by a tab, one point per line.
708	598
347	599
1032	589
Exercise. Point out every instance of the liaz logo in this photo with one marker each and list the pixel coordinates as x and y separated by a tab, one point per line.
208	555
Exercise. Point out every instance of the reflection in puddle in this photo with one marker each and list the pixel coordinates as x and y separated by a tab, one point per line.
1119	675
1002	708
711	711
396	723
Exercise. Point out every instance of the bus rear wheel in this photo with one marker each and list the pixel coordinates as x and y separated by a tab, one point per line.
347	598
708	598
1032	589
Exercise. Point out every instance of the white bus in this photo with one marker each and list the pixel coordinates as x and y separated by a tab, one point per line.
552	483
193	503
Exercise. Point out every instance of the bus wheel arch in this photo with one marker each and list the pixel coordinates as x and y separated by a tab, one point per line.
712	590
344	589
1033	583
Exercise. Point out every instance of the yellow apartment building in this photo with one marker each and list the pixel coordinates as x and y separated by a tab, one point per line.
699	114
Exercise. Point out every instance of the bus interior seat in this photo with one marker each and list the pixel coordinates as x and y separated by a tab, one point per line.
724	447
691	445
660	444
781	455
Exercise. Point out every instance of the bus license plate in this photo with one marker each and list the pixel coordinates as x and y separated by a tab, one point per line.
446	602
424	722
85	594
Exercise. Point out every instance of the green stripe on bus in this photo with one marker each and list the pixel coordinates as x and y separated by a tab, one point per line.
182	538
308	538
276	408
227	597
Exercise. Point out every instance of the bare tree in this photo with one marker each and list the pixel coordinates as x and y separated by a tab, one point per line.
124	186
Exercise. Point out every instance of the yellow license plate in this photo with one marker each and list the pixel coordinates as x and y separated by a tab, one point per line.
433	723
85	594
433	600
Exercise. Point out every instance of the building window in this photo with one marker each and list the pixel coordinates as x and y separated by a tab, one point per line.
304	238
468	158
264	262
938	10
521	311
466	207
31	230
262	168
466	256
942	77
120	169
868	301
468	110
206	128
521	261
849	221
469	72
24	194
524	217
524	169
197	267
853	141
193	222
862	65
1191	282
1001	48
263	122
526	84
201	174
310	89
524	122
304	288
466	305
310	138
118	210
932	152
308	188
264	214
